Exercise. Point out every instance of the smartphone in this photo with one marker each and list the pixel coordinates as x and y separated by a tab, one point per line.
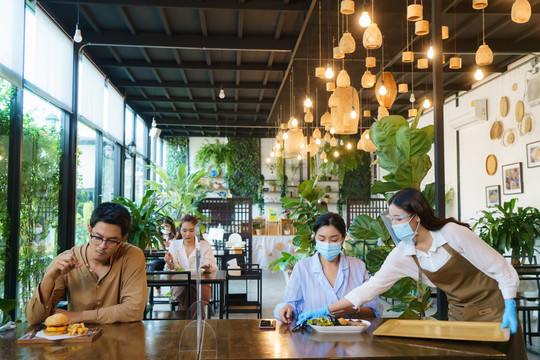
267	324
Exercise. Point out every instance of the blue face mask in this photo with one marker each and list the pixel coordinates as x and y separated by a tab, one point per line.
329	251
404	232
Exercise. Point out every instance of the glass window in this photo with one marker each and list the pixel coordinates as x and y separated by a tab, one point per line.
91	93
48	57
128	176
86	180
39	192
142	135
11	38
140	177
129	126
153	154
110	159
5	96
114	124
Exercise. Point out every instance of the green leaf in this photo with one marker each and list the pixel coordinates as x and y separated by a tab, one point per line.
383	132
390	158
364	227
411	173
380	187
412	142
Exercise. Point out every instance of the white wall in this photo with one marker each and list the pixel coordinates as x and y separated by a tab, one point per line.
475	144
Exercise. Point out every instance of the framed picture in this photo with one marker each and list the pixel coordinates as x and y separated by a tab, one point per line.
512	178
533	154
493	195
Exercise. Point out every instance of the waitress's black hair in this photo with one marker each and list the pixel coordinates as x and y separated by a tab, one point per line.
333	219
413	202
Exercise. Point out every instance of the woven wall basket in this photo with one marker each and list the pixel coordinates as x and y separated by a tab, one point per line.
372	37
391	90
455	62
484	55
407	56
371	61
342	123
414	12
421	27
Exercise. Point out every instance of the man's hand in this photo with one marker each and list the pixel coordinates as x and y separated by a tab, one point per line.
62	265
74	317
285	314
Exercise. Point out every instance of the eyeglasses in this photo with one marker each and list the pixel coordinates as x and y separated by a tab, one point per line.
96	240
398	217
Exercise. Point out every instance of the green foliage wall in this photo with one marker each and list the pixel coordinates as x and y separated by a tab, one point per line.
177	154
356	182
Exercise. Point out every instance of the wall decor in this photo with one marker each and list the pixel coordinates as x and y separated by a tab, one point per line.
496	130
504	106
491	164
512	178
520	110
533	154
525	126
493	195
508	137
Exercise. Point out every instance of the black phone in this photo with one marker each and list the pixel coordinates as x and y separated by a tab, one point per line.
267	324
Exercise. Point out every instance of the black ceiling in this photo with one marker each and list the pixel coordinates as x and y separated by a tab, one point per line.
171	57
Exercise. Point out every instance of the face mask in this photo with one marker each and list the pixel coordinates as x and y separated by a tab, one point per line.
329	251
404	231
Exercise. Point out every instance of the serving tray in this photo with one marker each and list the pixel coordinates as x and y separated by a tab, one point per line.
90	336
450	330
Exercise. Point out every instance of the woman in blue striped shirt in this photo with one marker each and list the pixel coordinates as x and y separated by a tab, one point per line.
325	277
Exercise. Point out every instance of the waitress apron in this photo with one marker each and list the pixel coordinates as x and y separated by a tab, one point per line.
473	296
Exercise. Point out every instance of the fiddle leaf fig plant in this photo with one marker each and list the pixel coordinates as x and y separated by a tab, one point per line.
507	228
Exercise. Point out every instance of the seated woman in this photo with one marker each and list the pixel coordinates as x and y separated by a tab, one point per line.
326	276
182	254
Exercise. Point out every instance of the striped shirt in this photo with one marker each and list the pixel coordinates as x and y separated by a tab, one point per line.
308	288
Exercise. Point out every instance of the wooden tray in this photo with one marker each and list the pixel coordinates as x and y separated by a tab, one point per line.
450	330
90	336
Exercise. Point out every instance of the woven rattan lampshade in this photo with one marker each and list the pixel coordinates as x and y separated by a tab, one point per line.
413	112
367	113
330	86
414	12
346	99
421	27
347	44
319	72
372	37
337	53
368	79
403	88
521	11
371	61
407	56
294	143
359	145
308	117
444	32
333	142
313	148
284	126
422	63
391	90
332	101
326	119
316	133
367	144
382	112
343	80
347	7
484	55
479	4
323	155
327	137
455	62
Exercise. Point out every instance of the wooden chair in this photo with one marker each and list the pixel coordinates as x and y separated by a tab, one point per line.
528	302
242	302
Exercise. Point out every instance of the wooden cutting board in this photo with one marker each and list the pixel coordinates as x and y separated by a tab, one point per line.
90	336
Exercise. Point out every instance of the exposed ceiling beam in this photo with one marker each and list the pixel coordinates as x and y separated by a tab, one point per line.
194	85
164	21
127	20
91	20
295	6
211	122
181	99
201	111
189	42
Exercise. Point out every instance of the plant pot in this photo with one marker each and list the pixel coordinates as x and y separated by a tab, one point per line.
273	188
259	232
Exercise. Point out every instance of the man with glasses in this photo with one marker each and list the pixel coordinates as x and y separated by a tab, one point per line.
104	279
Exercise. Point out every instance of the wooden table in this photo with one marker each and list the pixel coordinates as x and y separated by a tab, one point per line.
217	278
242	339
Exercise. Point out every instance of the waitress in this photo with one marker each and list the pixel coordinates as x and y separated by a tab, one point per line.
479	282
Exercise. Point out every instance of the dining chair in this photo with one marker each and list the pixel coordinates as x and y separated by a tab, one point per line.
243	300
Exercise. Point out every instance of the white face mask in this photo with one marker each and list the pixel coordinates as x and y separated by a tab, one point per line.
329	251
404	232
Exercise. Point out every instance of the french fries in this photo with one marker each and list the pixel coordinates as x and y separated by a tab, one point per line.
77	329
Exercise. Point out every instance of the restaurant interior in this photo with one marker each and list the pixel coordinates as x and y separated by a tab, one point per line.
257	117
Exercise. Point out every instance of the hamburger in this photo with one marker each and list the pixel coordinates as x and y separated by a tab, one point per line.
56	325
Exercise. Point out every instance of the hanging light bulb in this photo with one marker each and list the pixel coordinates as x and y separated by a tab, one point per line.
294	122
78	36
478	75
325	161
221	93
323	155
329	72
333	142
332	131
318	141
327	137
353	113
412	98
365	20
272	154
426	103
268	159
307	102
285	136
382	89
336	153
349	146
278	146
299	156
430	52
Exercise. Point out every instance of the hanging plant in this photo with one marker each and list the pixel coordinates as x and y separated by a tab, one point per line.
177	153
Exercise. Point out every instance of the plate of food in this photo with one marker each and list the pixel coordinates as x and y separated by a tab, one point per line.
57	329
325	325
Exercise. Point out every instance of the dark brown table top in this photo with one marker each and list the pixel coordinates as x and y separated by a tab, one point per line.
240	339
214	277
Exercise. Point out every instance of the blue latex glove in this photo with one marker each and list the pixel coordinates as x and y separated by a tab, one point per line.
307	315
510	316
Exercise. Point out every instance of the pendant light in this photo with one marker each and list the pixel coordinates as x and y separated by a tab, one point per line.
455	61
408	55
366	143
521	11
414	12
368	79
333	142
372	38
77	37
343	79
385	89
403	87
371	61
444	32
479	4
364	20
347	7
319	70
426	104
367	113
484	55
347	45
421	27
478	74
412	99
323	155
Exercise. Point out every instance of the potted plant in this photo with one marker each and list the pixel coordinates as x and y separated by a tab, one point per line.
213	156
273	185
506	228
258	229
146	218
